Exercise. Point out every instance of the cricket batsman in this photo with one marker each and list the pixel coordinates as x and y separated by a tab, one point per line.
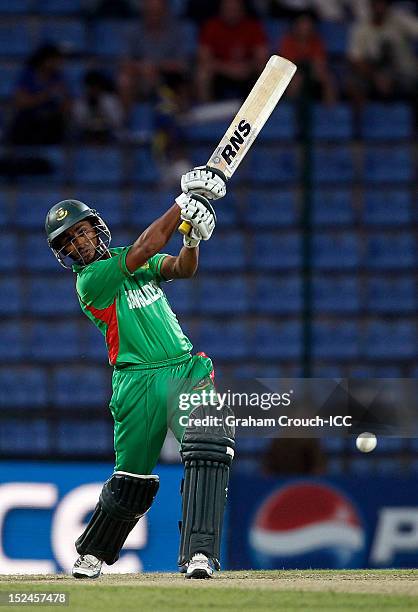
120	291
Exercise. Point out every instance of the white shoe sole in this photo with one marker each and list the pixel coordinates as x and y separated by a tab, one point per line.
79	575
199	573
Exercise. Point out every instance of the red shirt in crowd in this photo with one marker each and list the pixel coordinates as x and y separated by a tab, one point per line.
295	50
229	43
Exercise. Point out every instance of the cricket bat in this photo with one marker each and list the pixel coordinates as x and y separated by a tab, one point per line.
250	118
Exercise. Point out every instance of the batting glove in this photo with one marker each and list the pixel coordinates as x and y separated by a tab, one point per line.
199	213
206	181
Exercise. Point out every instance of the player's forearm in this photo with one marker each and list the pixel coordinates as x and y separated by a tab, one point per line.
186	262
154	238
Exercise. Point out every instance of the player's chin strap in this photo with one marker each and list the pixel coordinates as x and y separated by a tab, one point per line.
124	499
207	454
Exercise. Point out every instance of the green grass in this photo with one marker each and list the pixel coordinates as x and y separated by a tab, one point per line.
231	591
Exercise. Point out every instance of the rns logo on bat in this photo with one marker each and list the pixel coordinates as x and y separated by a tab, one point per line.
236	140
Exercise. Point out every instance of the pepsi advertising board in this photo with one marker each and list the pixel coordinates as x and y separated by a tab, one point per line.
45	507
319	523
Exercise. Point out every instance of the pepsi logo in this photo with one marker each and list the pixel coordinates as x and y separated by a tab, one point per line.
307	525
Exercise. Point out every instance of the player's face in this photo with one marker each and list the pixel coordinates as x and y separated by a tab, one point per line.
80	242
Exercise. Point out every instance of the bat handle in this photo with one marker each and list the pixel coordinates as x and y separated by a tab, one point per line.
185	228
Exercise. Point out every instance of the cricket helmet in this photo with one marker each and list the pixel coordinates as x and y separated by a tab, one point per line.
64	215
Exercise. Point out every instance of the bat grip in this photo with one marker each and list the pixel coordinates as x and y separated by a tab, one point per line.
185	228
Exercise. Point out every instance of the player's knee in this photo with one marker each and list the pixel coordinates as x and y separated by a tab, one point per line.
126	496
209	436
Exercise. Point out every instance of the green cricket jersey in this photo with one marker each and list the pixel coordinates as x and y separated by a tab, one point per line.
131	310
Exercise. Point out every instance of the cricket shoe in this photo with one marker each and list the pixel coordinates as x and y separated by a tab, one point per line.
87	566
199	567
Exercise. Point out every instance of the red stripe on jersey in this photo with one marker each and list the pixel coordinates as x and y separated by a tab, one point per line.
212	374
108	316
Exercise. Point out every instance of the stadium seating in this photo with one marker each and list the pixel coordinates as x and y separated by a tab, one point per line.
336	295
147	205
93	345
10	296
23	387
271	208
227	295
80	387
74	72
277	341
332	207
227	213
9	76
275	30
278	296
39	291
393	295
387	122
62	7
13	337
8	252
70	34
4	207
276	251
15	38
98	166
332	123
25	437
387	207
111	37
390	340
336	251
51	159
388	165
226	254
335	36
210	132
142	121
337	341
332	164
387	251
182	296
269	166
48	340
35	254
77	436
145	167
32	206
223	340
15	7
109	203
280	126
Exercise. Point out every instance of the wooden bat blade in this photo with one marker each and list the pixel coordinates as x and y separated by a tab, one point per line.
250	119
253	114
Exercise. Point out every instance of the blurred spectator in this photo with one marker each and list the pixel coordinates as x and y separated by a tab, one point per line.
289	9
341	10
304	46
381	52
41	100
293	456
200	10
98	113
158	56
232	52
332	10
110	8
